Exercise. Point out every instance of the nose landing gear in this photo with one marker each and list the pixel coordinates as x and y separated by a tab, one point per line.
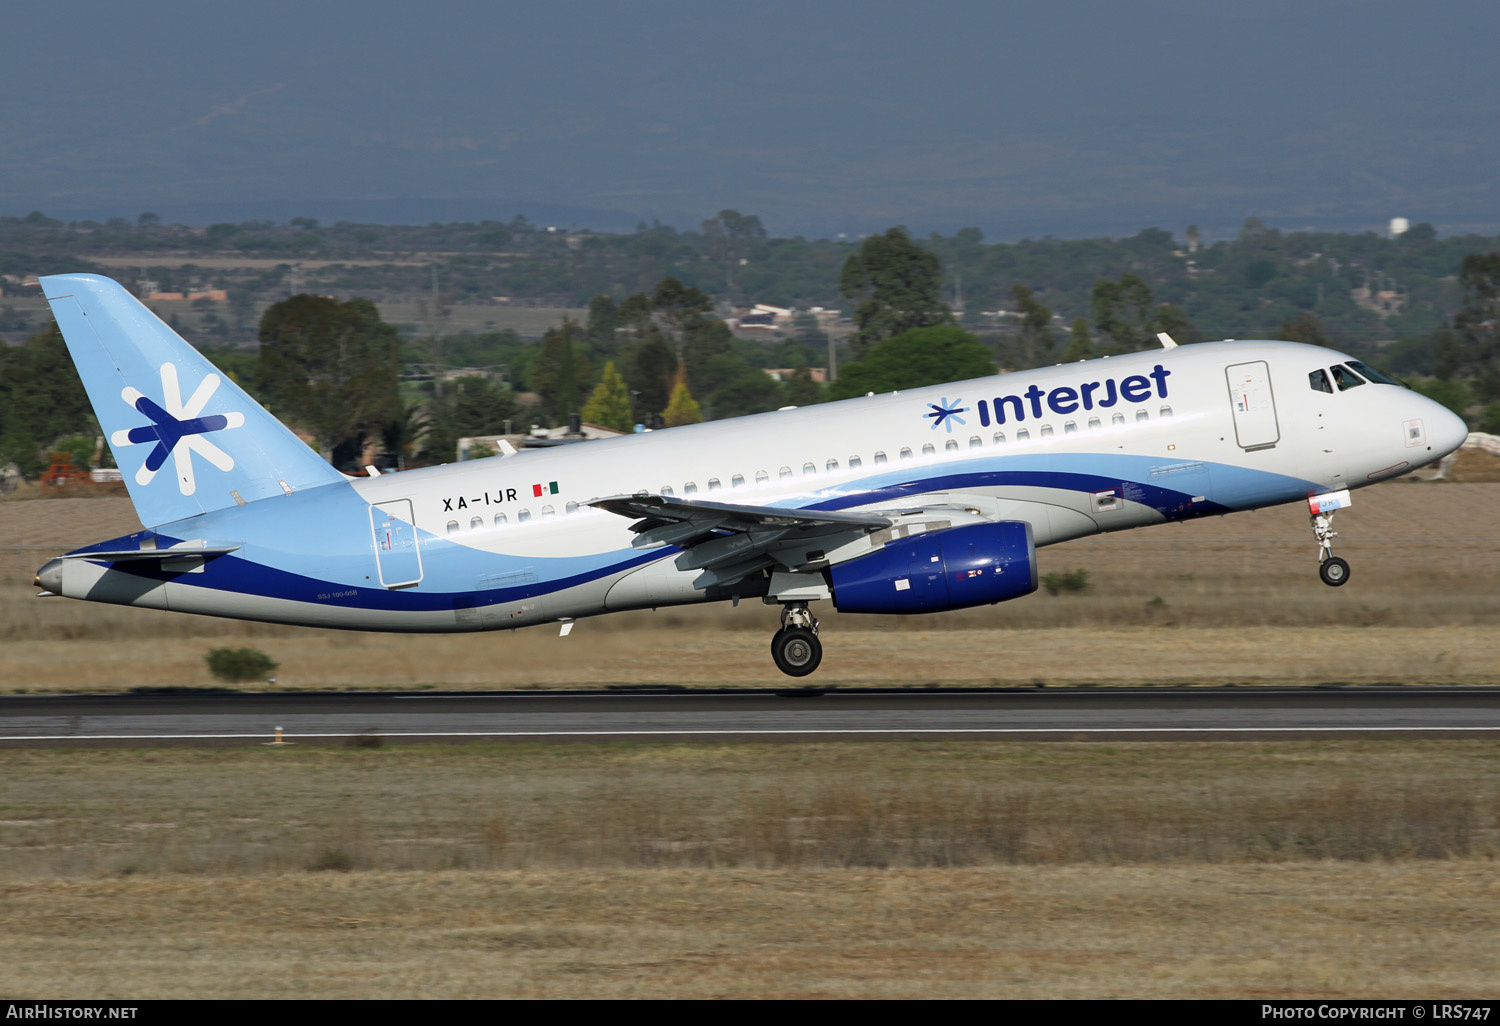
1333	570
795	647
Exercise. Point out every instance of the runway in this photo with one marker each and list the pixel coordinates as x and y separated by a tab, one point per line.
853	714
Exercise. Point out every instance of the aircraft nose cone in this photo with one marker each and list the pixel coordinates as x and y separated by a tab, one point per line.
49	577
1448	431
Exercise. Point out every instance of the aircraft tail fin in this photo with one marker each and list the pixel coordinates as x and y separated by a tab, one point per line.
187	439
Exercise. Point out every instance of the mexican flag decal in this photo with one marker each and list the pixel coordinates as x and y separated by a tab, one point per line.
539	490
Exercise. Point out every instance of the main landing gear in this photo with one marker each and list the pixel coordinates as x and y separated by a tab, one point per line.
1333	570
795	647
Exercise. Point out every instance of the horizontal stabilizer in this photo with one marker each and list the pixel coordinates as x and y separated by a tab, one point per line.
144	555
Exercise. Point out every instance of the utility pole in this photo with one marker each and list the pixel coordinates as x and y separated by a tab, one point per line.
434	344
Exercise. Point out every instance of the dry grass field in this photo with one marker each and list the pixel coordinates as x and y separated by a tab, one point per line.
1226	600
1313	931
1346	869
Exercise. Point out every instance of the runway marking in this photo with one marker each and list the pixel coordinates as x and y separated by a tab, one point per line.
754	730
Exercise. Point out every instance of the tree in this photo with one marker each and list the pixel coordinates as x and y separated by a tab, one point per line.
1080	342
468	406
1122	310
1471	345
604	319
1304	327
561	374
921	356
651	370
1032	345
897	286
678	303
727	238
739	389
329	366
609	406
683	408
41	400
801	389
703	340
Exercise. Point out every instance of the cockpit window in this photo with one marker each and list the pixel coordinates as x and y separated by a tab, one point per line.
1372	374
1346	378
1318	379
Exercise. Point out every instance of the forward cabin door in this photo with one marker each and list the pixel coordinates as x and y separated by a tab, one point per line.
396	554
1254	405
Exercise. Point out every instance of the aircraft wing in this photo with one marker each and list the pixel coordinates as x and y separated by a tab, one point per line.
726	541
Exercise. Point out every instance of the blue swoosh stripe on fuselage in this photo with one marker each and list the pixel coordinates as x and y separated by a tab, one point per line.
444	560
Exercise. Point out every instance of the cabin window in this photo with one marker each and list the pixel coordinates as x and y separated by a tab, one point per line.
667	490
785	472
975	442
855	462
453	527
499	519
929	449
691	488
831	466
1093	423
905	452
1046	430
1070	426
880	457
570	508
1374	375
1023	435
761	477
475	523
951	445
737	481
809	469
713	484
1142	415
1318	379
1346	378
1117	419
523	515
999	437
1165	411
548	511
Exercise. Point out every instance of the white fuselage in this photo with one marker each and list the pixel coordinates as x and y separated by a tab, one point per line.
1072	450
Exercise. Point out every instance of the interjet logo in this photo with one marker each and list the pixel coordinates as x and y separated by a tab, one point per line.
177	429
946	413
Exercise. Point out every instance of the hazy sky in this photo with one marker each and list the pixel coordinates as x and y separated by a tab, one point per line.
1061	117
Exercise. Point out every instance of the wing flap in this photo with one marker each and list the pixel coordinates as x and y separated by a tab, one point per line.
728	542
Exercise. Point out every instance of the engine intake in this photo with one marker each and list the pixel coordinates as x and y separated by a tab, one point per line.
976	565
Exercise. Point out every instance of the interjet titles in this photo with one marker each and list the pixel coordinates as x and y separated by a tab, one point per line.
1066	399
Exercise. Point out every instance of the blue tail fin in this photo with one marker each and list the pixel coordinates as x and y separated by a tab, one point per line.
186	439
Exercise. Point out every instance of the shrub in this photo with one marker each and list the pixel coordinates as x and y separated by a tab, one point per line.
1067	580
238	665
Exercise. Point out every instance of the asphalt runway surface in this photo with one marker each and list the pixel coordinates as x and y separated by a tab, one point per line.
655	714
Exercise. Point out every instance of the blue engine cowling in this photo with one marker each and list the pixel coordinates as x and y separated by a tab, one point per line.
977	565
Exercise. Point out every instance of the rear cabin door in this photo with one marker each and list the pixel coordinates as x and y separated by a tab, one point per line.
396	554
1253	404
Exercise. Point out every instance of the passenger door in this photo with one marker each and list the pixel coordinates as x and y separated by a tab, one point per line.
1254	405
397	556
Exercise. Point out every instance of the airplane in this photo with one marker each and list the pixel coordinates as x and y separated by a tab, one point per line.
922	500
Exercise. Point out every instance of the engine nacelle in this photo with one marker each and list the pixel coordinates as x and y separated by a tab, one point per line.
976	565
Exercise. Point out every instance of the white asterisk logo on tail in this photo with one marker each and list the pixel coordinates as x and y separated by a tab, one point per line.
177	428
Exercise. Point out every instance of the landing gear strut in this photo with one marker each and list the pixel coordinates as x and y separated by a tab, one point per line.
795	647
1333	570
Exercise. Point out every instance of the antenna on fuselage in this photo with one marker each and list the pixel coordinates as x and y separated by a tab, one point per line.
1167	342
